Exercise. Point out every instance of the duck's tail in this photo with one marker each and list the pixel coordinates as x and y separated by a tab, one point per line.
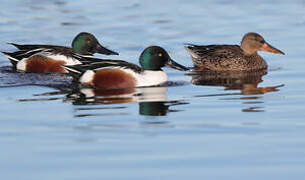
11	57
21	47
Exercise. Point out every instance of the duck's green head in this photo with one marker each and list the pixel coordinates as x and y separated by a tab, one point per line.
86	44
155	57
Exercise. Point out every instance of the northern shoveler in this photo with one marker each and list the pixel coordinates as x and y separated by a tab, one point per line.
116	74
49	58
232	57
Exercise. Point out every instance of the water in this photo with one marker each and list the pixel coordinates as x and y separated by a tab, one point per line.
238	127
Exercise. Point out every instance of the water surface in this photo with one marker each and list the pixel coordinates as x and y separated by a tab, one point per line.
198	126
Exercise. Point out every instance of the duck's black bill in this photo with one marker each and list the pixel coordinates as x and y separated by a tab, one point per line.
102	50
171	63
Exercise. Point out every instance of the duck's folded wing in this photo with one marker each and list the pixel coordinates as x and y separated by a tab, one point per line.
91	63
215	51
35	46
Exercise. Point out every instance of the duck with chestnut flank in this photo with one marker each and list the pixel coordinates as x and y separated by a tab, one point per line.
49	58
232	57
117	74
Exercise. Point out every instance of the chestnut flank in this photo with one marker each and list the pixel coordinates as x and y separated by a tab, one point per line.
113	79
41	64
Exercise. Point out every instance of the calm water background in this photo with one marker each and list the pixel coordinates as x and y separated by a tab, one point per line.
208	132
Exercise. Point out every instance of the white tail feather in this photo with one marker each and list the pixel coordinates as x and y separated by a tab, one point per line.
10	57
71	69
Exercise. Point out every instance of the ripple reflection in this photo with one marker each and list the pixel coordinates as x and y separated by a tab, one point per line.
246	82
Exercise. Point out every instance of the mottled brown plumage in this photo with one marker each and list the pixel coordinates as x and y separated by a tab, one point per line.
232	57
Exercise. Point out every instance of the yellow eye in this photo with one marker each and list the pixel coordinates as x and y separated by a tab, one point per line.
160	54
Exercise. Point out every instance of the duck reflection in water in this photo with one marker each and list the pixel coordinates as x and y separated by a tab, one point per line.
158	108
246	82
152	100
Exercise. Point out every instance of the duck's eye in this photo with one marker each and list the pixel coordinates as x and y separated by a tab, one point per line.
160	54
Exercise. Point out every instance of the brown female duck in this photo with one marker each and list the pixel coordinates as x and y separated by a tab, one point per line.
232	57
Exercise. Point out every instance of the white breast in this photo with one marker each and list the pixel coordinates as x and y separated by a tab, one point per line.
150	78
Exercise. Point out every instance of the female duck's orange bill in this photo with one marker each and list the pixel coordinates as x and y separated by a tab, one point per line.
267	47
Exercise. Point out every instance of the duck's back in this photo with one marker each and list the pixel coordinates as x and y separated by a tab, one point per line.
63	50
224	58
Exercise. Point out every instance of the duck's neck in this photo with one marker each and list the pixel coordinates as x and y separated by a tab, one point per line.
249	51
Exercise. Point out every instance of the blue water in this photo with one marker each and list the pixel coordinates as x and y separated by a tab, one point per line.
198	127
